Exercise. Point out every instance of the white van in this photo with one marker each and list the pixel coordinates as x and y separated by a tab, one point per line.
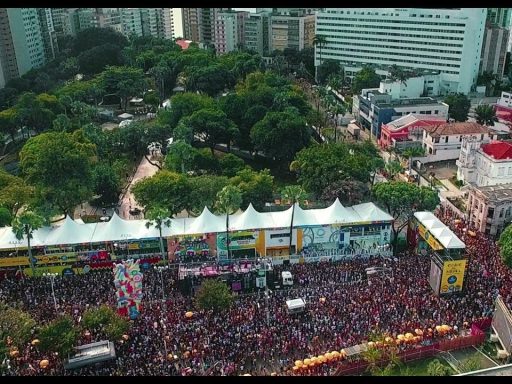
287	278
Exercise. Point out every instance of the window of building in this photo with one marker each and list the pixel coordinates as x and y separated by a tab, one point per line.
501	171
436	140
446	139
490	213
501	212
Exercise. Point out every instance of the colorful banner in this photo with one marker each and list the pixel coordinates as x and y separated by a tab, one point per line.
64	270
453	276
429	238
39	260
128	283
237	240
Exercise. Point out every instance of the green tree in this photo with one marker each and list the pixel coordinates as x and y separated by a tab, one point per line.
505	243
231	164
8	122
401	199
5	217
183	105
473	363
228	202
280	135
96	59
327	69
459	106
14	192
61	123
486	115
166	189
59	166
256	187
318	166
348	191
319	42
211	79
106	184
393	168
15	324
125	82
94	37
214	295
203	192
365	78
24	225
158	217
213	127
106	320
60	335
436	368
179	156
294	194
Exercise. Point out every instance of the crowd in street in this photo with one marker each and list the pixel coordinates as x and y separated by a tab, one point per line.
257	335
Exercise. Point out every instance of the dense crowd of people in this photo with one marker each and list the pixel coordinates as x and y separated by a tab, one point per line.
257	335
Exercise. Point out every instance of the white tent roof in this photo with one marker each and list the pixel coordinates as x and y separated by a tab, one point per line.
8	239
118	229
70	232
295	303
207	222
125	116
249	219
442	233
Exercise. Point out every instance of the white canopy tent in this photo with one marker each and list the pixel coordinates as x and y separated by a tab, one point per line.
70	232
117	229
441	232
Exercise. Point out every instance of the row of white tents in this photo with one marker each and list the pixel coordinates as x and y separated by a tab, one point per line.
117	229
441	232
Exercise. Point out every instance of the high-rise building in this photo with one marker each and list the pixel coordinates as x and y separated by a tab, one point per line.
21	42
258	29
292	28
229	29
199	24
495	42
448	41
131	21
499	17
190	21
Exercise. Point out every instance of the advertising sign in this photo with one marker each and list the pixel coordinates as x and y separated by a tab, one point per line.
453	276
237	240
427	236
128	284
435	276
38	260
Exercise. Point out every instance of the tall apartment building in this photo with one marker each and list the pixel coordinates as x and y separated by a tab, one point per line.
190	24
293	28
495	43
229	31
131	21
258	29
21	42
109	18
448	41
199	24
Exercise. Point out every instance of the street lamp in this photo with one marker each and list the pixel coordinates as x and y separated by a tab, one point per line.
52	277
161	269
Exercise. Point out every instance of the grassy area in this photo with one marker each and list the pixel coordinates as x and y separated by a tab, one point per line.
489	348
419	368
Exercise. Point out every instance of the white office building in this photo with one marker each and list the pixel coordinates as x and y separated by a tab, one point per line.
448	41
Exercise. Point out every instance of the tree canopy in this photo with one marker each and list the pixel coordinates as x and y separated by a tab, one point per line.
214	295
459	106
365	78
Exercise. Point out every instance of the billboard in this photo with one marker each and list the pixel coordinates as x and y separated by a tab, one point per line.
427	236
435	276
38	260
453	276
128	284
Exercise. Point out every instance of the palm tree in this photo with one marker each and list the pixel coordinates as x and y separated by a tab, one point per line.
158	217
295	195
485	115
393	168
228	202
159	73
337	109
24	225
320	41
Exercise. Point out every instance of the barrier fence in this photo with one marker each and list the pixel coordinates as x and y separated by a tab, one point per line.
476	337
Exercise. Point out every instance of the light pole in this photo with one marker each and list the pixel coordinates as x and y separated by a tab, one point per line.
161	269
52	277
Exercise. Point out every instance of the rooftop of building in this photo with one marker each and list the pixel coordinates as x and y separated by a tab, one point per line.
459	128
499	150
411	119
496	192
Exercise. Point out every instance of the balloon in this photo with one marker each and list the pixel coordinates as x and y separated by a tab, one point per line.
35	342
307	361
44	363
295	368
189	314
400	337
388	339
299	363
409	336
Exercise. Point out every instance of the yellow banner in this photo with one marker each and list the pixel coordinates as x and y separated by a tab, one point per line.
427	236
40	260
453	276
60	269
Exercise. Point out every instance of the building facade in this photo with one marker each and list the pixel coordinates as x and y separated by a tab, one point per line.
408	128
292	30
494	50
258	29
229	31
489	209
447	41
21	42
372	108
444	141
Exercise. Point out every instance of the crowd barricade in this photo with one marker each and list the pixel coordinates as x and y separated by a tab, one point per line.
476	337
